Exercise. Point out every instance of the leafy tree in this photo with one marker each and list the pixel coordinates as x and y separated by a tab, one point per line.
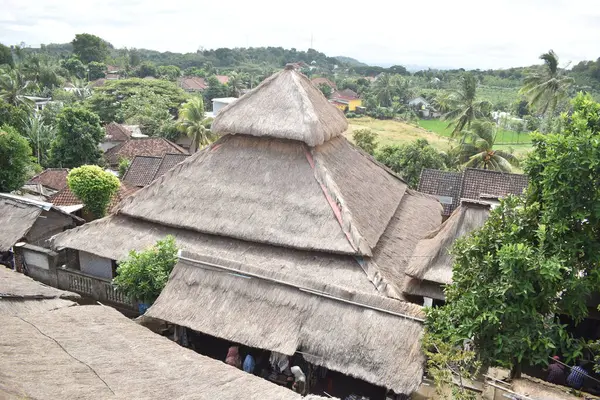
147	68
15	159
13	115
13	88
77	139
215	90
465	107
326	90
521	108
535	258
94	186
6	56
365	139
123	167
477	149
90	48
545	89
41	71
40	136
192	122
150	112
75	67
409	160
169	72
96	70
143	275
388	87
111	100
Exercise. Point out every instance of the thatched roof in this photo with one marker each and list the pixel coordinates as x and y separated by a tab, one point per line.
286	106
18	215
21	295
94	352
368	336
431	260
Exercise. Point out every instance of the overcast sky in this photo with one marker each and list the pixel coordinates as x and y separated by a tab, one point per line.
438	33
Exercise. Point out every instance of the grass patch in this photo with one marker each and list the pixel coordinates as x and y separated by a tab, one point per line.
503	136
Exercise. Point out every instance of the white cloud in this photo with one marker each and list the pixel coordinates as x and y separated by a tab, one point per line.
457	33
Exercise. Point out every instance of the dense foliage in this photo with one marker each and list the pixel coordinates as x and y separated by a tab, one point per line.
78	135
94	187
535	258
194	124
90	48
144	274
366	139
15	159
409	160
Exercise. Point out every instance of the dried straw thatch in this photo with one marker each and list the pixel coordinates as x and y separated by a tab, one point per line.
113	237
20	295
431	260
16	219
286	106
93	352
247	188
371	337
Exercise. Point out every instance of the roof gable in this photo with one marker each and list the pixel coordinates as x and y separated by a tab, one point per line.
144	169
54	178
116	133
445	185
286	106
478	182
152	146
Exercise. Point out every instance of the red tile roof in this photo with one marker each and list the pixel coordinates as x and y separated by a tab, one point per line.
346	94
192	83
53	178
116	133
144	169
153	146
323	81
223	79
67	198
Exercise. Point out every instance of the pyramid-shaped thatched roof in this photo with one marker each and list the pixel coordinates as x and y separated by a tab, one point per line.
285	106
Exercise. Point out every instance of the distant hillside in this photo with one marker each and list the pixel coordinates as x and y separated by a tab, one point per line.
352	62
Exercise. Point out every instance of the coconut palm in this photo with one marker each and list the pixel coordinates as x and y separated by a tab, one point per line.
476	149
192	121
465	107
544	89
236	84
442	102
40	136
81	88
13	87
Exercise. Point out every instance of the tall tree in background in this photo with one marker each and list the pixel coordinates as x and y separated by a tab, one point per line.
6	56
476	150
192	122
546	88
79	134
387	87
15	159
535	258
75	67
90	48
236	84
465	106
96	70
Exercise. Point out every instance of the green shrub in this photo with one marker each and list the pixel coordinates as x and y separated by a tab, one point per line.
95	187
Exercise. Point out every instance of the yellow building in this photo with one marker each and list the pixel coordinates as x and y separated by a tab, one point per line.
346	100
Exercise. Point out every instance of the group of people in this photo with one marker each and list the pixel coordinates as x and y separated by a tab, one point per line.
280	365
557	374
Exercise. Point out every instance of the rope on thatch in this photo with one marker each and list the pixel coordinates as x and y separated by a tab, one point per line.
216	267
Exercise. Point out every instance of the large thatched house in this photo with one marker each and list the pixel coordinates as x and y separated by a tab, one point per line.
294	240
430	268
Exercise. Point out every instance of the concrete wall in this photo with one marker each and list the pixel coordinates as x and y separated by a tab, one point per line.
49	223
40	263
94	265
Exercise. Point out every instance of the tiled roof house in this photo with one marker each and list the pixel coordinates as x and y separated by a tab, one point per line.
145	169
152	146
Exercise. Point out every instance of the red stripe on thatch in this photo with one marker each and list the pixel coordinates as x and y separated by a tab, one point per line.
336	210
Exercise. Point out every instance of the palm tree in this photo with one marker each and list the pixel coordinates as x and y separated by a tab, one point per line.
442	102
13	88
40	136
236	84
465	107
81	88
546	88
193	123
384	90
476	149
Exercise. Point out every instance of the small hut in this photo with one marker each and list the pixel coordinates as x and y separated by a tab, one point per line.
430	267
20	295
294	240
94	352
